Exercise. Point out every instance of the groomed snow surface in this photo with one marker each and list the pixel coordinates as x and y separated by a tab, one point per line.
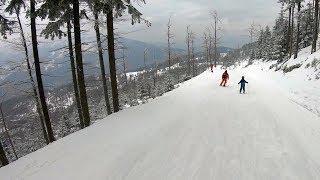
198	131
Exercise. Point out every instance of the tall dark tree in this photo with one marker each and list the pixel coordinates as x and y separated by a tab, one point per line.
79	62
60	14
74	75
14	7
298	36
96	11
41	92
112	61
118	8
293	5
289	2
316	27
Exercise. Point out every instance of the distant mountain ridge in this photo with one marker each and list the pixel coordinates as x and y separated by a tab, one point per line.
57	71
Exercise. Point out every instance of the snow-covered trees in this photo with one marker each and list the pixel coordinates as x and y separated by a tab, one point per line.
296	49
5	23
3	158
280	30
264	44
306	25
295	28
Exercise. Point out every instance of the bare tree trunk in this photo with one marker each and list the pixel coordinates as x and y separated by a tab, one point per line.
215	41
188	46
193	58
3	158
74	74
169	37
112	61
101	61
155	74
206	49
145	60
7	132
79	62
316	27
124	67
298	32
210	49
38	73
33	84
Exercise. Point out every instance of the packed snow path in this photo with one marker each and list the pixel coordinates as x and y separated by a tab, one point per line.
198	131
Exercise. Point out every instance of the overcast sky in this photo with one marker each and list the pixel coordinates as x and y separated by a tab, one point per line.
236	17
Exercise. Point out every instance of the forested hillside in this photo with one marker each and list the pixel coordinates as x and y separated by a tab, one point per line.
65	65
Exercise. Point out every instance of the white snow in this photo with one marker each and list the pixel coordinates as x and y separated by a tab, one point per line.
301	85
198	131
296	85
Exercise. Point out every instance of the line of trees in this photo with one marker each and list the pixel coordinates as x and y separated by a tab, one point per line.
65	21
296	27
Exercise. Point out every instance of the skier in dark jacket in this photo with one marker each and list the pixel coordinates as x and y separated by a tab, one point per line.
243	85
225	78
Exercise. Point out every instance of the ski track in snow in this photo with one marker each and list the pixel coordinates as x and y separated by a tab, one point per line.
198	131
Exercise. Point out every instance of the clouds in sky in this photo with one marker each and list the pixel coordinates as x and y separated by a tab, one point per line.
236	17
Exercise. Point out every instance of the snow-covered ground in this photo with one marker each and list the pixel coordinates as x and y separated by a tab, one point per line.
297	85
198	131
301	85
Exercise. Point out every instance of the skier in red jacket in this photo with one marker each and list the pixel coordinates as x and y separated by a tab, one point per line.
211	66
225	78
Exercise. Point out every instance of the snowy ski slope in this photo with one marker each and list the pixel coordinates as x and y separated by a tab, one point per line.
198	131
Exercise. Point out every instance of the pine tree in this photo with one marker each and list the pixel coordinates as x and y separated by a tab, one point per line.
5	24
109	8
268	44
260	45
307	26
59	15
74	74
43	102
79	64
279	37
112	61
298	36
14	7
316	27
96	10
